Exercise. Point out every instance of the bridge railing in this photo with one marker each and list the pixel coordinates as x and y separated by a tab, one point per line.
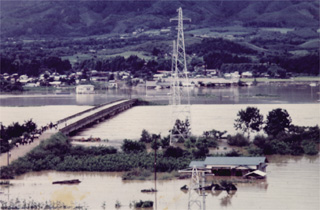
108	112
85	111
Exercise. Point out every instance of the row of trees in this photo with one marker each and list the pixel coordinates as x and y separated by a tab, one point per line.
213	53
136	66
282	136
13	132
307	64
250	120
34	66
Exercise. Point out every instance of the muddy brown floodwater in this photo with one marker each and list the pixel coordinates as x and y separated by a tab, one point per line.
292	183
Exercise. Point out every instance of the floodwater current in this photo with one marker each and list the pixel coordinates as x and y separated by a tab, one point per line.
292	182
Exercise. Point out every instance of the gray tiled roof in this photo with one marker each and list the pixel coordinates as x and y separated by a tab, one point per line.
198	164
234	160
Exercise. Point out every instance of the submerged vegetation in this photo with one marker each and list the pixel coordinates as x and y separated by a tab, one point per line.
23	204
57	153
143	204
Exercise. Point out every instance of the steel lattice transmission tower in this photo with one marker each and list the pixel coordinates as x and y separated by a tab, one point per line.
194	190
180	94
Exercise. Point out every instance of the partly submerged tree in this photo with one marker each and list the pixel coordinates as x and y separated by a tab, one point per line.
249	120
145	136
278	120
181	128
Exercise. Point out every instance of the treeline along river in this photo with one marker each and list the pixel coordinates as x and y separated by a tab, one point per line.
292	182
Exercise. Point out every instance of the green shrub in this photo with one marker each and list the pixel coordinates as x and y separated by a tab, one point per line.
165	141
238	140
173	152
280	147
260	140
233	153
136	174
309	147
133	146
254	151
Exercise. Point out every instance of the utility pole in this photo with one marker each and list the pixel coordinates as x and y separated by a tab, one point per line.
180	94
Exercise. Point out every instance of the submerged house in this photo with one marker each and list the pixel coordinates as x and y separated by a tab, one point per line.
231	166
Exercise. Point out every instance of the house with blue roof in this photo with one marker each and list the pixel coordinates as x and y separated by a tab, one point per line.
231	166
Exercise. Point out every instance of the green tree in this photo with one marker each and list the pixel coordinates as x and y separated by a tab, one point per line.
132	146
181	128
238	140
249	120
145	136
278	120
155	144
165	141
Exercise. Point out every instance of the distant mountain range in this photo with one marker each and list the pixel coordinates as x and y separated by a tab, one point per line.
29	18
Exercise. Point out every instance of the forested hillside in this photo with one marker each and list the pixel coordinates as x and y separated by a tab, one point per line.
79	18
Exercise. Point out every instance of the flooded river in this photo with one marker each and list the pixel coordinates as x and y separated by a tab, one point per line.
156	119
292	183
264	93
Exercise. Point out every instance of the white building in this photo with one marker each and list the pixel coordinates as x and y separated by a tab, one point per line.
247	74
85	89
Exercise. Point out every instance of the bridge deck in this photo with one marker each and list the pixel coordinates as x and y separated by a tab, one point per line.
74	123
87	113
70	124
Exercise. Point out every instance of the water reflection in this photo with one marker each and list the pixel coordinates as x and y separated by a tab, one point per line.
83	99
263	93
156	119
226	200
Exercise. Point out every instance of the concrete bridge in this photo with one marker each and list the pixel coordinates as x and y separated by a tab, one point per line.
94	115
70	125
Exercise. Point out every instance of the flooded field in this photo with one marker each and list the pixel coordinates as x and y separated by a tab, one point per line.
42	115
292	183
156	119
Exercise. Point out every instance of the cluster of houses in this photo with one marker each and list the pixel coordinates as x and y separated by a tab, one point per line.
58	80
162	79
207	78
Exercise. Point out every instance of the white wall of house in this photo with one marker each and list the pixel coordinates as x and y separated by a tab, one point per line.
85	89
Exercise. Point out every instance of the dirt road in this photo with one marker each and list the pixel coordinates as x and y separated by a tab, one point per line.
22	150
